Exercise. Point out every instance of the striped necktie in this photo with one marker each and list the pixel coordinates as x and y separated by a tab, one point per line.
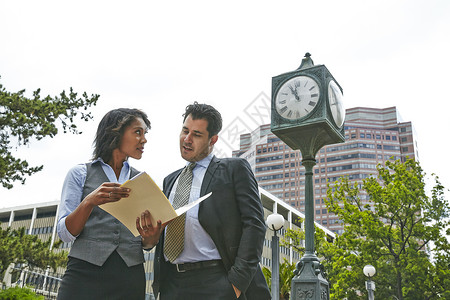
174	240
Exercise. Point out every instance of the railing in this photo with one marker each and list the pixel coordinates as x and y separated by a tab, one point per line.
46	284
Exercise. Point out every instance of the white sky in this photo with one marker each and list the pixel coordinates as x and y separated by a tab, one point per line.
160	56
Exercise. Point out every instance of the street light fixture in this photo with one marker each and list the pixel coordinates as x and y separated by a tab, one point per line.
275	222
369	271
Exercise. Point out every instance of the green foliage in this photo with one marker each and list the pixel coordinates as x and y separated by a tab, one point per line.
17	293
18	247
391	223
399	230
23	118
286	275
294	239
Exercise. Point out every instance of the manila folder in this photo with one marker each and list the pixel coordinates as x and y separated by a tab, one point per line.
145	195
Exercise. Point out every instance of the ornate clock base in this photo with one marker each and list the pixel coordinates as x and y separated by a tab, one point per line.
309	282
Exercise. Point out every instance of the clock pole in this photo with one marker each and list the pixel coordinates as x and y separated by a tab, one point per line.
311	89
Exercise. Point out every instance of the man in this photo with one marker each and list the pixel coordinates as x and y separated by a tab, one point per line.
224	235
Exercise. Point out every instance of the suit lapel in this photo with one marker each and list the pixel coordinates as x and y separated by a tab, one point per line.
209	175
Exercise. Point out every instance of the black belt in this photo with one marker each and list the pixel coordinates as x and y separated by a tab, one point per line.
196	265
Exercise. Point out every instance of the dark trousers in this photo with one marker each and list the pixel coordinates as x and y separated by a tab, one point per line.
113	280
209	283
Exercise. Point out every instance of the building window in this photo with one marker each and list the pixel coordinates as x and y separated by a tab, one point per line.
404	139
378	136
388	138
361	135
368	136
353	135
378	146
324	211
275	148
317	211
405	149
403	129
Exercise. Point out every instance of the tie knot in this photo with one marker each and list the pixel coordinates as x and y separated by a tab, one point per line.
191	166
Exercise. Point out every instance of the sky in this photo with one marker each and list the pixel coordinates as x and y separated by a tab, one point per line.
160	56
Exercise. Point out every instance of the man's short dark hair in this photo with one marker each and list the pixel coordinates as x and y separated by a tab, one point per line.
206	112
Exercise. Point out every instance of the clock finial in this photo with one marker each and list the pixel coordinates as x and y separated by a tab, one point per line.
307	62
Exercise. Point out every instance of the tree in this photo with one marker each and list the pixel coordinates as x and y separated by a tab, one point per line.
295	239
23	118
286	275
20	248
399	230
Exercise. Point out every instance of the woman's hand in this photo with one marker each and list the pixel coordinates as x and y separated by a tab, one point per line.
150	234
105	193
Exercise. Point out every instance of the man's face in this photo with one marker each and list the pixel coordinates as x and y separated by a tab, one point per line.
195	143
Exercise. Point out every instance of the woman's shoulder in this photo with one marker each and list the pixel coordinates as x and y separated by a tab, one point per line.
77	170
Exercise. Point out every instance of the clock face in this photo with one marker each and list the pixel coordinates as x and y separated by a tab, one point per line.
335	98
297	97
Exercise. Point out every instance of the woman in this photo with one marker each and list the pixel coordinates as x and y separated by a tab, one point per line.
106	260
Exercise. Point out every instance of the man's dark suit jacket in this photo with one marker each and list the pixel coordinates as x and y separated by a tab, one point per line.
233	217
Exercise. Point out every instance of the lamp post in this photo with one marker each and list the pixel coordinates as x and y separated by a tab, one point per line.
275	222
369	271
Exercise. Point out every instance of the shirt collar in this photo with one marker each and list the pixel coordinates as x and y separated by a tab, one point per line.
204	162
125	163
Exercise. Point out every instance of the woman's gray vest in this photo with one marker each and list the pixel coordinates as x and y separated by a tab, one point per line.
103	233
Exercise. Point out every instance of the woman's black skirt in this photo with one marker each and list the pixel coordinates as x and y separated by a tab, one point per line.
113	280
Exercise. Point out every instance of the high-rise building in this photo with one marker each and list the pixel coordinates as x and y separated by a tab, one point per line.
372	136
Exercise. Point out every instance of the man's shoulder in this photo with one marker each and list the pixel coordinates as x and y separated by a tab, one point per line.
234	161
229	159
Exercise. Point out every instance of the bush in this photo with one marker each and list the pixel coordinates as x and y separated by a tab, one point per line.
18	293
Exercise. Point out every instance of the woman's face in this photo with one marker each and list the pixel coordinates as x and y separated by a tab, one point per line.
133	139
